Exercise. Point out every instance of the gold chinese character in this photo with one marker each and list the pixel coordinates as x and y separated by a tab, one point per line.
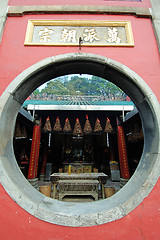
45	34
113	35
90	35
68	35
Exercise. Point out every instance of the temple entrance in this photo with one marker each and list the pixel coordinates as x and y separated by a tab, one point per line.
97	212
79	156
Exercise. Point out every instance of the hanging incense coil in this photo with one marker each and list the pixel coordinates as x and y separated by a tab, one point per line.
57	126
136	133
47	126
108	126
67	126
97	127
141	136
23	132
17	133
77	128
87	126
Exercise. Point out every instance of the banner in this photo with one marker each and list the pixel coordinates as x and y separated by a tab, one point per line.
34	155
37	149
123	154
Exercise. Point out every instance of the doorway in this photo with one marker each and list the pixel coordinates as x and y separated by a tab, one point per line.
96	212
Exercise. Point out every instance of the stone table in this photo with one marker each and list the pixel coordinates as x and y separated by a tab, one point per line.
78	184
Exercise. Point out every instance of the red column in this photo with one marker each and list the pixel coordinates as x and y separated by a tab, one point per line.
34	155
123	160
37	149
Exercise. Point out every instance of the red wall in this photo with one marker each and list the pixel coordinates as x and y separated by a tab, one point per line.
144	221
144	3
141	224
15	57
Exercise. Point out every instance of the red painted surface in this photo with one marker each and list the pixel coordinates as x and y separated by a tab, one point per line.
141	224
144	221
123	160
143	3
15	57
34	155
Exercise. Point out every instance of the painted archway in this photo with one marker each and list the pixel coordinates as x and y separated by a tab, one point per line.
94	213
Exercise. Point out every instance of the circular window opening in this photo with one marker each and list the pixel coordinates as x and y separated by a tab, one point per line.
79	156
80	214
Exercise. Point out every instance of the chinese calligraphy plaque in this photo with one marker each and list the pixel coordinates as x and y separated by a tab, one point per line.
68	33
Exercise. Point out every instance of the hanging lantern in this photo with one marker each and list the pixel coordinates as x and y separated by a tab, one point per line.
47	126
57	126
87	126
67	126
108	127
97	127
77	128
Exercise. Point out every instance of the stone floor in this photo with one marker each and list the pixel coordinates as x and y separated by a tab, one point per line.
78	199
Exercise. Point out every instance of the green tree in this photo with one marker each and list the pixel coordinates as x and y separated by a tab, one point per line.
100	86
36	92
76	84
55	87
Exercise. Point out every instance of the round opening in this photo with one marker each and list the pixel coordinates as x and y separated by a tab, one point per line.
80	214
77	117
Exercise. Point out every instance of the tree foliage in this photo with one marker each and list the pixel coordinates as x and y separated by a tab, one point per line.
81	85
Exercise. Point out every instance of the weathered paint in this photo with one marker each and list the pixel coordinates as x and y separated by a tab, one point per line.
144	221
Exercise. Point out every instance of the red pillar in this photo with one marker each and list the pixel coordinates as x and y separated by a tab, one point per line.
37	149
123	160
34	155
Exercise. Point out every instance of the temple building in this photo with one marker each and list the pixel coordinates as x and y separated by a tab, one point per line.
79	164
81	135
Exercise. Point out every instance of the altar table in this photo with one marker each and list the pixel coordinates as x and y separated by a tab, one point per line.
78	184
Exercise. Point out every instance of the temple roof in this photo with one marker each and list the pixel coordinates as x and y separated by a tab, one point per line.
78	105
